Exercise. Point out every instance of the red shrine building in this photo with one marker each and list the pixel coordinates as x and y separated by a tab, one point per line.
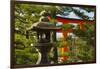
65	33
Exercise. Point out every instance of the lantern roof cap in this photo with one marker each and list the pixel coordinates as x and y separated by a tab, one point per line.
46	26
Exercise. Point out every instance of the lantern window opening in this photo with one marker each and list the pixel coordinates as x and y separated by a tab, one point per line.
43	36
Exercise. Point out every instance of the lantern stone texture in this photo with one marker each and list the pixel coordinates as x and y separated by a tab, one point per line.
45	33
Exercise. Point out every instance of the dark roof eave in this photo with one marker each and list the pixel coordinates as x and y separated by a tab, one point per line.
46	28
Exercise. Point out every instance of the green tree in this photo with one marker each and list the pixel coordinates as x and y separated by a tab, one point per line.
28	14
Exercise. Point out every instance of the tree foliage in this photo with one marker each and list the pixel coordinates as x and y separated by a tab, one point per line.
28	14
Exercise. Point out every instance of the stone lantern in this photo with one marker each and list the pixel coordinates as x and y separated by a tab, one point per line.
45	34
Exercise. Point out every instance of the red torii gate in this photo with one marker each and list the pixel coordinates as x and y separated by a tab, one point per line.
67	21
74	21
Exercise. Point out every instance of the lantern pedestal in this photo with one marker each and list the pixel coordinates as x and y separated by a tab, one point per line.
44	48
